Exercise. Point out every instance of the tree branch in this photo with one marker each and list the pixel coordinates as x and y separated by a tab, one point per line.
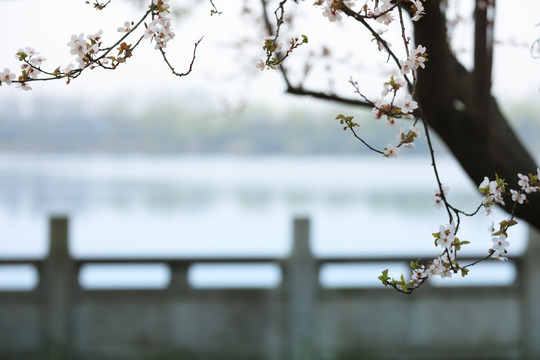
299	90
326	96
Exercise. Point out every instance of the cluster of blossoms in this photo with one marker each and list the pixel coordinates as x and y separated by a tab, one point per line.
271	46
382	12
85	50
30	68
393	110
418	9
446	264
417	58
494	191
159	29
89	51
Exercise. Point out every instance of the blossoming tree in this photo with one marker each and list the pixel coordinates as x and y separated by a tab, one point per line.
429	90
444	96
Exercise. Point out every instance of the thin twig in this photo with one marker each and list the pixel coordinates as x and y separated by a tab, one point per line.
190	65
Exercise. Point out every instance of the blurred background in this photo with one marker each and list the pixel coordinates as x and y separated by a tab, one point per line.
214	168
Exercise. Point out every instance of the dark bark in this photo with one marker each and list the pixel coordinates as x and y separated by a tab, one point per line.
458	105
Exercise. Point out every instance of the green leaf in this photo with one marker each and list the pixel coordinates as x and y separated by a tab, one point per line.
384	277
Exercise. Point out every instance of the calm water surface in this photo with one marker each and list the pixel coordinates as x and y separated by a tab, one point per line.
225	206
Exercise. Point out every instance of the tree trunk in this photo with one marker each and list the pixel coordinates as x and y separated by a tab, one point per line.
465	115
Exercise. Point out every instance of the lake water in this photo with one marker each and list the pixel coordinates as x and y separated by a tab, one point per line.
233	206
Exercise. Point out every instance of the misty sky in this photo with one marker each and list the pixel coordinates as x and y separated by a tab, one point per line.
223	71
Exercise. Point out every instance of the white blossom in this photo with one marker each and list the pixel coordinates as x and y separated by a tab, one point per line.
518	196
6	77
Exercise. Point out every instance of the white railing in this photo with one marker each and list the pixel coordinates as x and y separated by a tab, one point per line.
297	319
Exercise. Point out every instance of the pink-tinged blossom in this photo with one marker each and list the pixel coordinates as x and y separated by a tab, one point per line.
261	65
409	105
492	193
446	236
96	36
126	28
418	9
414	131
499	257
391	151
77	45
381	31
416	58
485	183
376	110
491	228
410	145
383	15
418	275
406	66
30	52
438	268
92	50
518	196
385	5
499	247
497	196
68	69
151	30
37	61
331	8
448	257
23	86
393	85
331	14
392	121
525	184
437	198
523	181
419	51
33	73
6	77
159	30
500	244
418	62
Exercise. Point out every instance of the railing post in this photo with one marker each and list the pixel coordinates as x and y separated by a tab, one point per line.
179	282
301	287
58	278
531	278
